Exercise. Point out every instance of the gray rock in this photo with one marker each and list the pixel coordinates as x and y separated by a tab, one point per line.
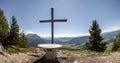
2	50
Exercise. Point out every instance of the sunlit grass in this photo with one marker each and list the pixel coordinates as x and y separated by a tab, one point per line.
17	50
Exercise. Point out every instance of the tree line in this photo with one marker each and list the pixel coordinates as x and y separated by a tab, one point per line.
10	35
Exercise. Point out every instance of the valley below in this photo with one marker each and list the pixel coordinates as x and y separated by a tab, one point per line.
71	42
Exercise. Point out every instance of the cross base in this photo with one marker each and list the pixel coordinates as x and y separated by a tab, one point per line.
50	54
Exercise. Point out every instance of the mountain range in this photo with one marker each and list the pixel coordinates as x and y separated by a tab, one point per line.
34	39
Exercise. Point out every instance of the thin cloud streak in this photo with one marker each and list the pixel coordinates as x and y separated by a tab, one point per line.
70	34
111	29
29	32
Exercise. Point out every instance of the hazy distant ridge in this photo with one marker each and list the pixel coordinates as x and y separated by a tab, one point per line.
34	39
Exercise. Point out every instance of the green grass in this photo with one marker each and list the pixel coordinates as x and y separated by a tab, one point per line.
71	46
109	47
17	50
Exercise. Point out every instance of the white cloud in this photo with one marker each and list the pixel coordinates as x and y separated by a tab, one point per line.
44	34
70	35
66	35
29	32
84	34
57	34
112	29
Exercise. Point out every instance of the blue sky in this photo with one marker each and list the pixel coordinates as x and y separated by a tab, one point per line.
79	15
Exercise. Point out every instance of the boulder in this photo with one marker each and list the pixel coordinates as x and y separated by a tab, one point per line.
2	50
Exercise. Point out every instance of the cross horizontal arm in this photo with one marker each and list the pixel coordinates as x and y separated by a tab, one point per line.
56	20
60	20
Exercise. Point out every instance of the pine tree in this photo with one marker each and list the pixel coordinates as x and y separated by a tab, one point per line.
95	40
116	44
4	28
23	41
14	32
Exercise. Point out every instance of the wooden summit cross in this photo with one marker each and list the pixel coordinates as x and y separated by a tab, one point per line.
52	24
51	48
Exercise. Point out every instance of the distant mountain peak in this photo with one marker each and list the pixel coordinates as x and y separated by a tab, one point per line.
34	40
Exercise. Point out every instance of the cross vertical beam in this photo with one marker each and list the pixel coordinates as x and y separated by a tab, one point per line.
52	23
